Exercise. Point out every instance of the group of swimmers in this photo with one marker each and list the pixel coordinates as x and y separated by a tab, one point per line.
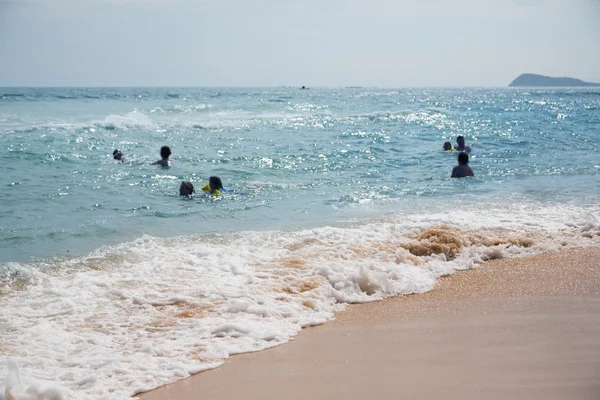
214	186
463	169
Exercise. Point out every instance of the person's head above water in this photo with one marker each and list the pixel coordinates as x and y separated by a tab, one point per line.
117	155
165	152
447	146
463	169
461	145
214	186
164	161
215	183
186	188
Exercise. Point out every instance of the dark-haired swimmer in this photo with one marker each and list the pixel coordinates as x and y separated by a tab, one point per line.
186	188
448	146
461	146
462	169
117	155
215	186
165	153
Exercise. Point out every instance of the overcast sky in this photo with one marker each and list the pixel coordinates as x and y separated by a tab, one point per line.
391	43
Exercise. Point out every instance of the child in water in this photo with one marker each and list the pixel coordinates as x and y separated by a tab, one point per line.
448	146
215	186
186	188
164	161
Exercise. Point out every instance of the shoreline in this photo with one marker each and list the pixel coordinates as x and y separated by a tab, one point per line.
513	328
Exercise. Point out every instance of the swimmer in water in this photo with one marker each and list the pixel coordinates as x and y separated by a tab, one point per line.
215	186
448	146
461	146
186	188
117	155
165	153
462	169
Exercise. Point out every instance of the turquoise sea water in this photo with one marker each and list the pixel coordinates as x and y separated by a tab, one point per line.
111	284
297	157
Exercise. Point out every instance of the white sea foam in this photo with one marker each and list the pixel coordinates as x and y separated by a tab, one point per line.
14	390
133	317
133	119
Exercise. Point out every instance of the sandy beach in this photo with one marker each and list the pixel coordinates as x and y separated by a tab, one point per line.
510	329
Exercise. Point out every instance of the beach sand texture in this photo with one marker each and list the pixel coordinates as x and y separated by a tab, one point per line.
511	329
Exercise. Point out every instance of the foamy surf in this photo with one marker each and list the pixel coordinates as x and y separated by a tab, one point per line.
14	390
129	318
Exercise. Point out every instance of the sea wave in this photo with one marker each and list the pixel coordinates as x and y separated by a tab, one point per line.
133	119
132	317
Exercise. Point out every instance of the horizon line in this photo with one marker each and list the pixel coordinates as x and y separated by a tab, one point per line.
249	87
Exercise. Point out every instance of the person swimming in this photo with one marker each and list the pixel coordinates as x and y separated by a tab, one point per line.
186	188
463	169
214	186
461	146
117	155
165	153
448	146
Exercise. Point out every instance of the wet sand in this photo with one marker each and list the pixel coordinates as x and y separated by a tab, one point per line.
511	329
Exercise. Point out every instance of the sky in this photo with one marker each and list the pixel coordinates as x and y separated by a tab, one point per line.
332	43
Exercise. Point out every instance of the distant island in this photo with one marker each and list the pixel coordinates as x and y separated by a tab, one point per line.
532	80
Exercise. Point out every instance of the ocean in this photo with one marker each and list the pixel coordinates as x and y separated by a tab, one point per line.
111	284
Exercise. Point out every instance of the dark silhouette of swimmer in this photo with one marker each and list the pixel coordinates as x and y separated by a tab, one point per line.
117	155
165	152
215	186
303	87
461	146
448	146
186	188
215	183
462	169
